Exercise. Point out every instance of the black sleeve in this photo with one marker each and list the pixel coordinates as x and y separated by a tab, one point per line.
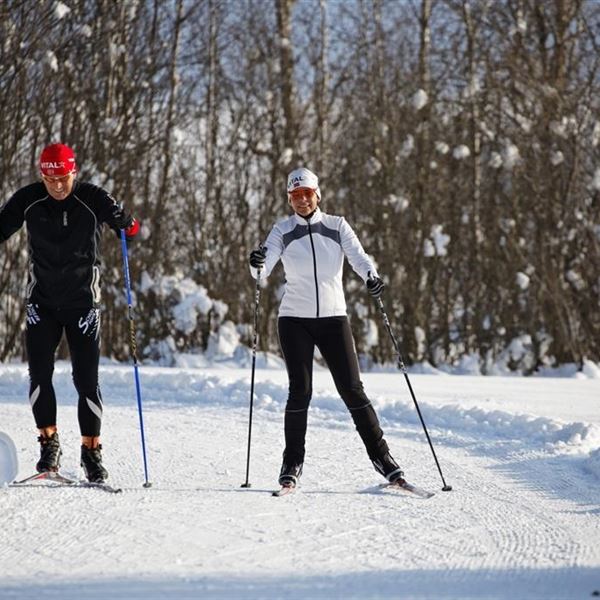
12	216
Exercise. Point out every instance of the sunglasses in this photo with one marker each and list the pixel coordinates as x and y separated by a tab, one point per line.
58	178
301	192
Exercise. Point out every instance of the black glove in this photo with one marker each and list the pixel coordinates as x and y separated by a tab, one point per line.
123	220
375	286
258	257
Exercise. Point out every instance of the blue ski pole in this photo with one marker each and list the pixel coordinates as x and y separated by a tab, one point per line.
133	350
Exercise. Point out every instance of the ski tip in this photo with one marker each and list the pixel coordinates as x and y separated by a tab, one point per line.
99	486
408	488
108	488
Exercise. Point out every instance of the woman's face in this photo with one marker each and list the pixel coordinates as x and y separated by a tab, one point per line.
304	201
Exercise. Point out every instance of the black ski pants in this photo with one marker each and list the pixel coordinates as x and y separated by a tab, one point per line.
45	327
333	337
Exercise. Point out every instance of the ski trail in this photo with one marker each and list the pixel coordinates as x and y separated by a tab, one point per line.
518	510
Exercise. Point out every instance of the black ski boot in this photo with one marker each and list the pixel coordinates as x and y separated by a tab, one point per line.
290	473
388	467
91	461
50	453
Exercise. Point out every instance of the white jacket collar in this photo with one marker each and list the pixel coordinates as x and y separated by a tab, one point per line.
315	218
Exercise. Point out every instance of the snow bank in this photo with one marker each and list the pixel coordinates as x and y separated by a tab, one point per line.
9	465
185	386
592	464
521	521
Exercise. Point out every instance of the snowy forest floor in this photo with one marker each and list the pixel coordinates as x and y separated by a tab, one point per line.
523	519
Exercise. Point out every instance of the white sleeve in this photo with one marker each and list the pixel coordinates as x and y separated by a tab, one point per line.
359	260
274	248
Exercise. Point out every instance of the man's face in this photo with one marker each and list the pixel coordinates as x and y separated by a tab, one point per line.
304	201
60	186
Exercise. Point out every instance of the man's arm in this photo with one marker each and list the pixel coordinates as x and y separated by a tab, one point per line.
12	216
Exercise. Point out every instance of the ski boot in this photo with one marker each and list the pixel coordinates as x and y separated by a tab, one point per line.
290	473
50	453
91	461
388	467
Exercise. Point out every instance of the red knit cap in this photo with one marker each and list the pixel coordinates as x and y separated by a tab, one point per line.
57	160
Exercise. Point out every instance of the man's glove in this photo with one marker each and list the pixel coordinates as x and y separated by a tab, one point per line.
123	220
375	286
258	257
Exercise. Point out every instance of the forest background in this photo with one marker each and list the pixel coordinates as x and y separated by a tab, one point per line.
459	138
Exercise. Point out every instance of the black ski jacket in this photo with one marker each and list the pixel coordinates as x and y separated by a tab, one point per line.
63	241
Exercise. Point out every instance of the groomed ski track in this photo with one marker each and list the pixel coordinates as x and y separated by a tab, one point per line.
521	522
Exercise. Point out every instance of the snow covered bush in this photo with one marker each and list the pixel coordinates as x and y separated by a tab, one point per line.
181	316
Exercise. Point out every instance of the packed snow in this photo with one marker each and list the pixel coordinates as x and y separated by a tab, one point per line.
522	521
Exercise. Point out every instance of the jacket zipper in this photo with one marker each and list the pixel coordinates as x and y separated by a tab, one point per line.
57	223
312	245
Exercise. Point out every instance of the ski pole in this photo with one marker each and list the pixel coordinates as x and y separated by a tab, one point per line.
247	484
402	367
133	351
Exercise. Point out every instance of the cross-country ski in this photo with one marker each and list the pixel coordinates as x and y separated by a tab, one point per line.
53	479
45	477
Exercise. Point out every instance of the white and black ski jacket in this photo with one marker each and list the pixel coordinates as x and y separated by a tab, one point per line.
312	252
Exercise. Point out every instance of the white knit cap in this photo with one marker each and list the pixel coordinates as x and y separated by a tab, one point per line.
303	178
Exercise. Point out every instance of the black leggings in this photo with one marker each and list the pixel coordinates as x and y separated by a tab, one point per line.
333	337
45	327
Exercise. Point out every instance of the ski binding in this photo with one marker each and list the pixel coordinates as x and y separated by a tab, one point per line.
285	490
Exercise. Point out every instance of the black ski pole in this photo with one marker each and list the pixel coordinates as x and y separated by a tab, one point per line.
402	367
247	484
133	351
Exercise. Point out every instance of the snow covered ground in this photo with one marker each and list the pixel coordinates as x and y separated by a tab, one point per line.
523	520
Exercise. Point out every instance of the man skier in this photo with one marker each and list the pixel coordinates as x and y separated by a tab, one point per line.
64	219
312	246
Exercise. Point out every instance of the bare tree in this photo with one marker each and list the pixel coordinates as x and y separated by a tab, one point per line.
459	138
